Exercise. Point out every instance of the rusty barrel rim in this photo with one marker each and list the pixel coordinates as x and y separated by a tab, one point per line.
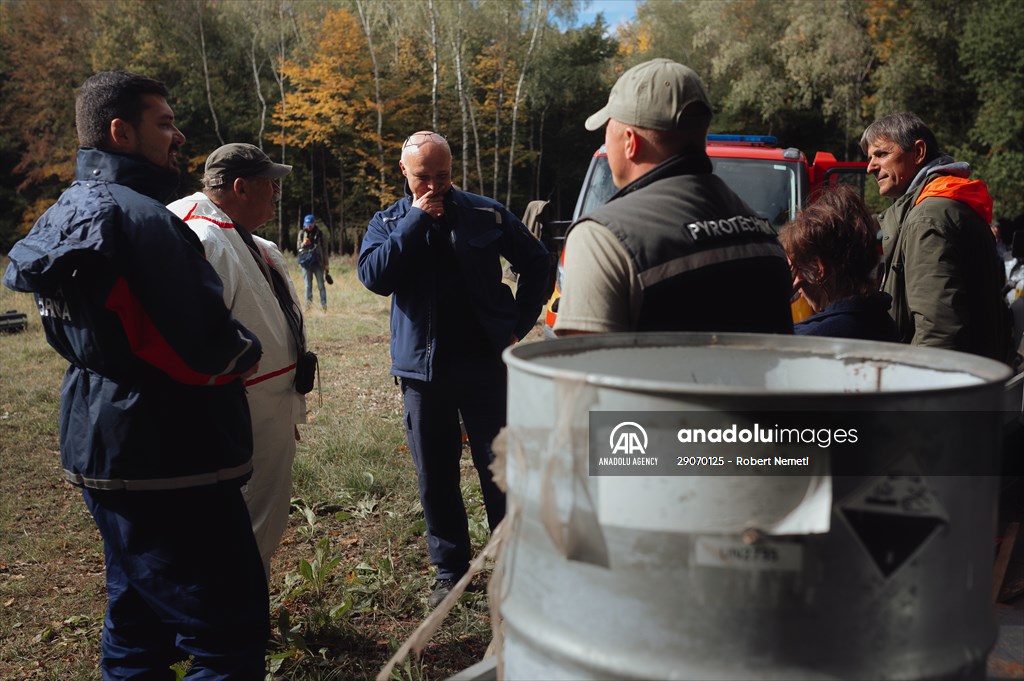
986	371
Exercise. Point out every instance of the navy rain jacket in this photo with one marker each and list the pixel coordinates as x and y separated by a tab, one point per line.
152	398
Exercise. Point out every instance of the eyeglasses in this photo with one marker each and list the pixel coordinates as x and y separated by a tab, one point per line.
275	187
228	181
423	138
275	183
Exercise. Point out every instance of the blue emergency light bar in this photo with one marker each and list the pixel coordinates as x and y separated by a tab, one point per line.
745	140
753	140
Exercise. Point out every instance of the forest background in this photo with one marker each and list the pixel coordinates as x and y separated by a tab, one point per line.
333	87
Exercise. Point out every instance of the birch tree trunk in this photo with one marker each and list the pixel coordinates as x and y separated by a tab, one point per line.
256	68
538	17
500	102
364	19
283	240
206	73
463	107
433	65
476	147
457	43
259	89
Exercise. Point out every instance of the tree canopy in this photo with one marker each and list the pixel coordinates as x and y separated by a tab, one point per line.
332	87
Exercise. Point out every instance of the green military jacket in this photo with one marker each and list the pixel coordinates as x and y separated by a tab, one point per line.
942	270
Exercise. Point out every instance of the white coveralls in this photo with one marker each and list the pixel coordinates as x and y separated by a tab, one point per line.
274	404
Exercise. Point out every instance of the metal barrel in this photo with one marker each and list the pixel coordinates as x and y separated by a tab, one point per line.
873	567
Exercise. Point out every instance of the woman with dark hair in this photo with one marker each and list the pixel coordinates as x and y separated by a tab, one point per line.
833	252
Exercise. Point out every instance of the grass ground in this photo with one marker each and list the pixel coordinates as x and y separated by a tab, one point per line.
351	578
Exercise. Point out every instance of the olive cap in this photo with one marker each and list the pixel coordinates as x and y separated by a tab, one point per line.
659	94
235	160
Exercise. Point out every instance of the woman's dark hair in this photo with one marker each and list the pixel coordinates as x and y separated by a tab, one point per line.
839	230
108	95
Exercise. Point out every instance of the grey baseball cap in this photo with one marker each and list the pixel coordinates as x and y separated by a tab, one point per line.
659	94
235	160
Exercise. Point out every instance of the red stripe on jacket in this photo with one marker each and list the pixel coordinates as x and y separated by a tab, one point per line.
190	216
272	374
149	345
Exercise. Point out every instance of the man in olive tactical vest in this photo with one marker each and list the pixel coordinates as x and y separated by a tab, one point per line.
674	249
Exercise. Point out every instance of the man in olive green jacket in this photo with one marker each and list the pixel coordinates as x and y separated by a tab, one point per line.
941	266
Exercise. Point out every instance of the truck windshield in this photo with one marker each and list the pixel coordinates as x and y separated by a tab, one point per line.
599	187
769	187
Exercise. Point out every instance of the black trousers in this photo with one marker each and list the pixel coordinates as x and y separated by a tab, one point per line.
478	390
184	577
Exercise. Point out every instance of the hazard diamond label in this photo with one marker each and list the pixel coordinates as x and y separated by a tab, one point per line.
893	516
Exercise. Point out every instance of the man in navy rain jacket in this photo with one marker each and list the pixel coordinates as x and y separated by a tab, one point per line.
438	253
154	425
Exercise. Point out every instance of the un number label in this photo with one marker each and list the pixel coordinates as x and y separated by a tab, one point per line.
733	553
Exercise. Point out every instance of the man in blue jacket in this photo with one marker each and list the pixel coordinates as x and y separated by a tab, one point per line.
438	253
154	425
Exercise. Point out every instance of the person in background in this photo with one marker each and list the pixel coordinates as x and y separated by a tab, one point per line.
437	252
240	190
939	255
313	259
832	247
674	249
536	219
154	424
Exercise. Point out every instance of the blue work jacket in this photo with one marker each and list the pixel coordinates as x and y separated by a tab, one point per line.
151	399
395	259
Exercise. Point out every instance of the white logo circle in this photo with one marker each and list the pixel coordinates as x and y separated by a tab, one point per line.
629	442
